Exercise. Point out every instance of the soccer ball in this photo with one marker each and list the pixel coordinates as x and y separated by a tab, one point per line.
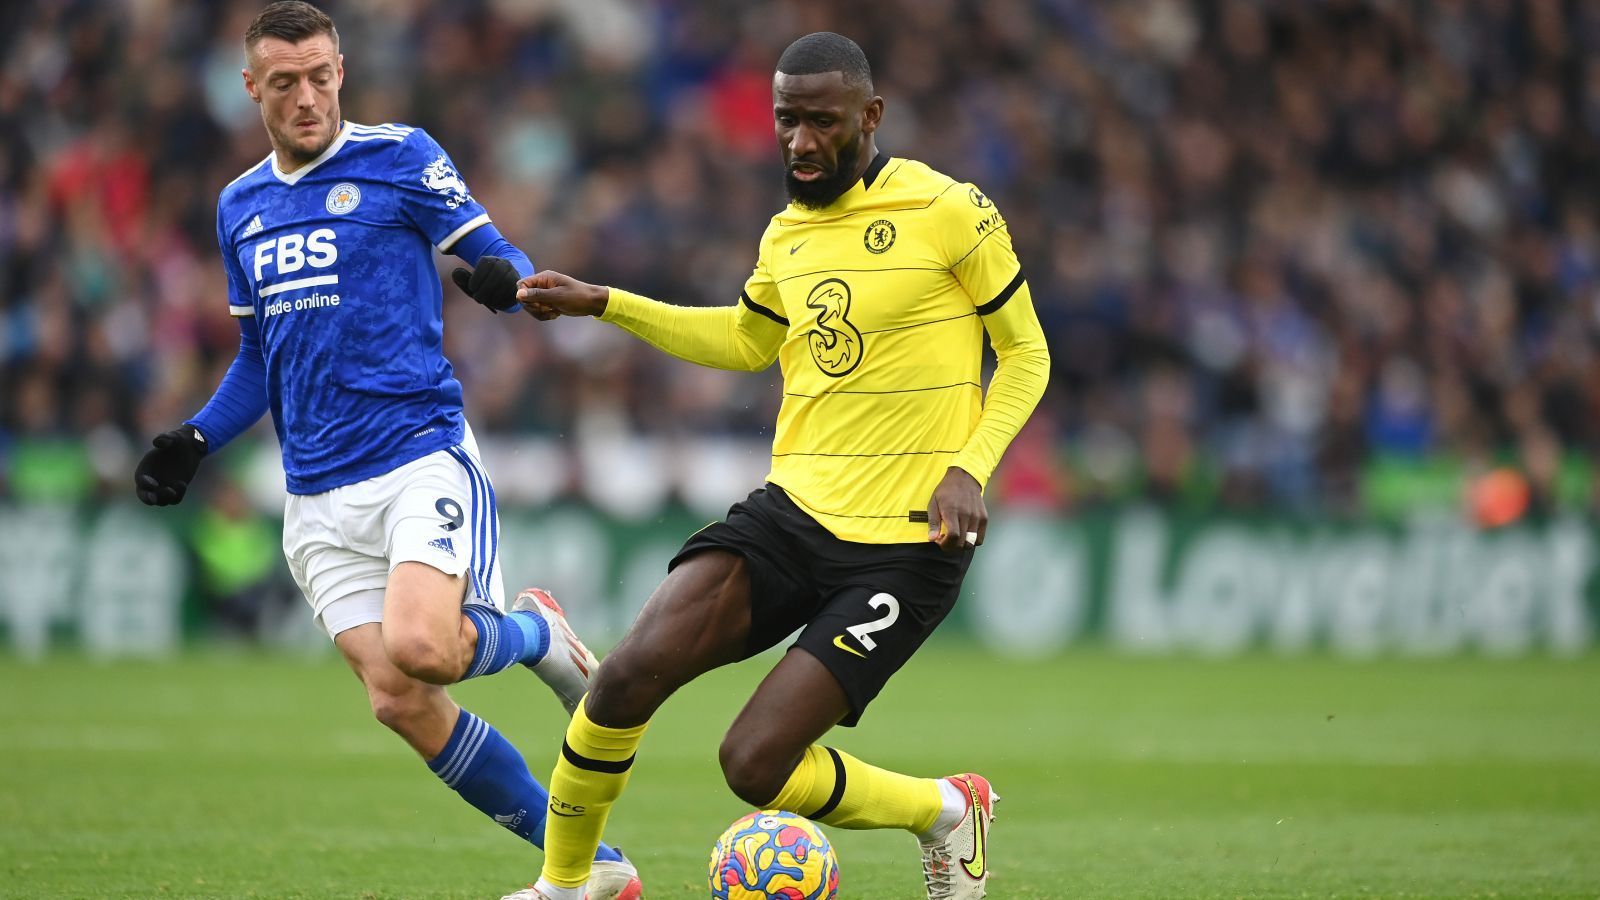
773	855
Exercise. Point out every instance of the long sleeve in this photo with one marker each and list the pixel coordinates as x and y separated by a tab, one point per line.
1020	375
241	398
979	244
744	337
486	240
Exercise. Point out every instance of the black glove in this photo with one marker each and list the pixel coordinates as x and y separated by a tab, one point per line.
163	476
493	283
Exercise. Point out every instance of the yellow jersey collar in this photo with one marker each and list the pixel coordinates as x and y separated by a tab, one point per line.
847	200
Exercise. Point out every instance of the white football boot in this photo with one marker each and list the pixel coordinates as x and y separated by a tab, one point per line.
956	865
608	880
615	880
567	665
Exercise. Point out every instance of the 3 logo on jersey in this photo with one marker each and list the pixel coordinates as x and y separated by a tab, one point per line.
835	342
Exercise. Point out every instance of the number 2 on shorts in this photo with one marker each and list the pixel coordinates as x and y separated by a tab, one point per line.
862	632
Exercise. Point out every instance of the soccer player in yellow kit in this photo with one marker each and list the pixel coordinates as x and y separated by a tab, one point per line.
873	290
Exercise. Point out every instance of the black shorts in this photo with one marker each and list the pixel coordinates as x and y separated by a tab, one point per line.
864	608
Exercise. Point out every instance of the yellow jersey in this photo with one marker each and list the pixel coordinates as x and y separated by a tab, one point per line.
875	308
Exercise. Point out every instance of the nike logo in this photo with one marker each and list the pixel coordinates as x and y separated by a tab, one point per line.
975	865
796	248
838	641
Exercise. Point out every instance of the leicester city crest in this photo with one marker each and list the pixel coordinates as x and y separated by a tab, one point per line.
343	198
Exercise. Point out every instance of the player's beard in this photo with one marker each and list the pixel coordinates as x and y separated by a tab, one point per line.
818	194
298	152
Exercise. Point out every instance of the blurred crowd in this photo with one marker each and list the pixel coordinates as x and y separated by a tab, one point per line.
1282	250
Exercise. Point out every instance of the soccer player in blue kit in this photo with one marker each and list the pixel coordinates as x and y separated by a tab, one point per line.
390	526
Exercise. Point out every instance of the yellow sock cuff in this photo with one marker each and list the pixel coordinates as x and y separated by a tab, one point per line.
835	788
597	743
809	785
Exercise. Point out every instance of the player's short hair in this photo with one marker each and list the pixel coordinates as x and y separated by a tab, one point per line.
824	51
292	21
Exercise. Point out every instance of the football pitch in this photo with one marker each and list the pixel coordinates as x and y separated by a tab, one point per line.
263	776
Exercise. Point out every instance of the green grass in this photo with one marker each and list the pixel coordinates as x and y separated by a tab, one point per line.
251	776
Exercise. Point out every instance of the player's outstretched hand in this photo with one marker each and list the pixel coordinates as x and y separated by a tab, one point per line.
957	518
493	283
549	294
164	473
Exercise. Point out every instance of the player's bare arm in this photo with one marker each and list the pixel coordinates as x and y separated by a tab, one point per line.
548	294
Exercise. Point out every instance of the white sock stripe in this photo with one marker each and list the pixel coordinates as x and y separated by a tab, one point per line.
494	645
488	641
450	764
463	752
481	735
470	740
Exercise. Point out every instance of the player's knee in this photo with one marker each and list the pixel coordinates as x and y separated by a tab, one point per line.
625	689
423	658
754	771
396	712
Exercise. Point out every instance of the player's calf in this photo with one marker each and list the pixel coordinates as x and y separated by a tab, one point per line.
408	715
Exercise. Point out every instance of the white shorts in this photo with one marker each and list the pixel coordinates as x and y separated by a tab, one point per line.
439	510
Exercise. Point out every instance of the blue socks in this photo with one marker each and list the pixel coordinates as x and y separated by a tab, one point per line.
481	765
505	639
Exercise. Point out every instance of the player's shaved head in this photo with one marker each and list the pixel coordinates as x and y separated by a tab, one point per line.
824	51
292	21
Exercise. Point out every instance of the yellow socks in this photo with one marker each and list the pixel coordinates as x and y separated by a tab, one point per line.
835	788
589	776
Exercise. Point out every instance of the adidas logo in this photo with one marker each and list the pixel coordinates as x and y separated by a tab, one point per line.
254	227
444	544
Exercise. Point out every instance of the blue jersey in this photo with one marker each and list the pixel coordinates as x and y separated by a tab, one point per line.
335	261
